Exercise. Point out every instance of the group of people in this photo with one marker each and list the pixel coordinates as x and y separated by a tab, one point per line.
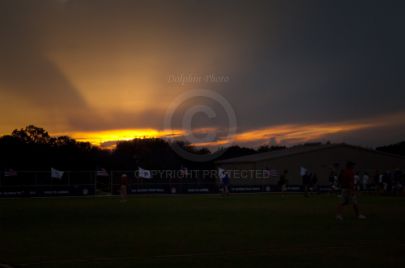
351	182
335	184
387	182
347	182
392	181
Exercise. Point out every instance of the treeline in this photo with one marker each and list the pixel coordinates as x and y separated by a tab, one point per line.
397	148
32	148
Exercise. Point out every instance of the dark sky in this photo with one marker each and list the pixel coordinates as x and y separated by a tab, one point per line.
296	70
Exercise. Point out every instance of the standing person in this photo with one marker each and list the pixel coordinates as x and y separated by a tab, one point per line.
380	182
124	188
397	183
348	192
364	181
283	181
357	181
305	182
225	184
390	180
331	179
314	182
385	180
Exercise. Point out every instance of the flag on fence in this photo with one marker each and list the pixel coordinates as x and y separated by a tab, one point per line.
143	173
57	174
184	171
10	173
221	173
274	173
303	171
102	172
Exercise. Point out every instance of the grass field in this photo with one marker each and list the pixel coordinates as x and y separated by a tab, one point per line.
260	230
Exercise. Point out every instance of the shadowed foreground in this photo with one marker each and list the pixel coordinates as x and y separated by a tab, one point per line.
201	231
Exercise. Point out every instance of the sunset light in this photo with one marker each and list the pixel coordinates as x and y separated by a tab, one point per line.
215	133
287	134
106	137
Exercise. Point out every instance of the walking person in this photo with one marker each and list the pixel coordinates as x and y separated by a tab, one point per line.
348	192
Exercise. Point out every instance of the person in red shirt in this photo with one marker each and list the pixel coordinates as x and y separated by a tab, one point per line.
346	179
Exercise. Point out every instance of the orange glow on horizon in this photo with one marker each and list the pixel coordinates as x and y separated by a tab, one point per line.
296	133
286	134
99	137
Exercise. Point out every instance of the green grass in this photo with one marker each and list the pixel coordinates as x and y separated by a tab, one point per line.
260	230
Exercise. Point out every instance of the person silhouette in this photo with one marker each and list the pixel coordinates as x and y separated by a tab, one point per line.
347	182
124	188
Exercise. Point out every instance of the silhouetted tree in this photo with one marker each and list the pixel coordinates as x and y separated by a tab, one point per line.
32	134
236	151
267	148
32	148
397	148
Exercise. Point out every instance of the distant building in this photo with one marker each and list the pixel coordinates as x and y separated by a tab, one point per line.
319	159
